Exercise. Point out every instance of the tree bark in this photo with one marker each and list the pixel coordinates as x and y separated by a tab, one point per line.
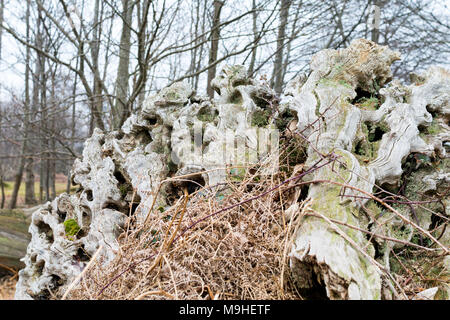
96	99
72	133
277	75
29	175
375	34
2	7
2	185
30	197
202	47
255	39
121	109
26	108
51	169
44	140
18	176
215	36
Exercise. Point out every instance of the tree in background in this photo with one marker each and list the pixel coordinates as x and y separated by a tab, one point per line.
214	49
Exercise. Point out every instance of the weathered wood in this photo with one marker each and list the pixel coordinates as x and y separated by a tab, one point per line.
369	143
14	238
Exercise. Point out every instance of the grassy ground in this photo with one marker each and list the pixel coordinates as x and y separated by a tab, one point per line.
60	188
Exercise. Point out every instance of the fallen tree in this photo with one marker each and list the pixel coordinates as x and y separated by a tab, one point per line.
14	240
315	214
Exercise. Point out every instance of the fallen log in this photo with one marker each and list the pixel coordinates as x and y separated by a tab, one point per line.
14	239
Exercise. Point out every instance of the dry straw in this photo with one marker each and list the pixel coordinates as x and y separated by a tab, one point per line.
191	251
8	287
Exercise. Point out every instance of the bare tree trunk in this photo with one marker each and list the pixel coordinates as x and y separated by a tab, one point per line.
277	75
197	30
29	182
141	11
2	7
29	175
375	34
2	185
47	176
72	133
39	102
44	139
41	179
120	111
195	13
215	36
96	99
74	91
26	108
51	169
251	66
294	33
202	47
3	190
19	173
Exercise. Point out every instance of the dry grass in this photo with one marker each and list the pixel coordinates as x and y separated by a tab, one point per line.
7	287
204	247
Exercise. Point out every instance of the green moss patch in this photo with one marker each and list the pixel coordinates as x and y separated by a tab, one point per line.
366	147
334	82
124	188
172	95
432	129
237	174
371	103
260	118
71	228
205	114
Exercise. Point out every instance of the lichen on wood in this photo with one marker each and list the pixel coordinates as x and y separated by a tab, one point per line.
350	131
